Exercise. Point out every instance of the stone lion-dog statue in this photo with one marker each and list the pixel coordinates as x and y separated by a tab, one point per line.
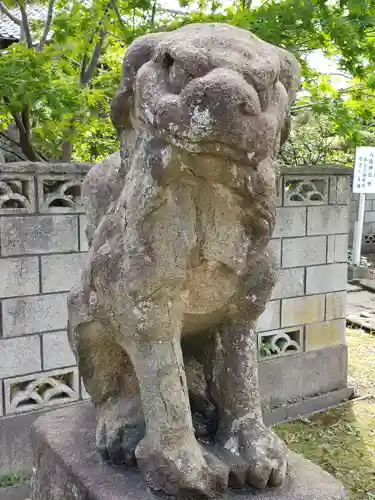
178	268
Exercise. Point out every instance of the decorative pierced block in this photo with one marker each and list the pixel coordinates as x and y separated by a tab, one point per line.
17	194
61	194
369	238
40	390
280	343
305	191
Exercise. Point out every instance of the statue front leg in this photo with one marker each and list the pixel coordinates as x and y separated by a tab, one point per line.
255	454
169	456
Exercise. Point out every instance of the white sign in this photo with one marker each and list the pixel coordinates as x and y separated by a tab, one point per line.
364	170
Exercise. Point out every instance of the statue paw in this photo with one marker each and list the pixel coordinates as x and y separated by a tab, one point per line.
117	441
179	466
255	455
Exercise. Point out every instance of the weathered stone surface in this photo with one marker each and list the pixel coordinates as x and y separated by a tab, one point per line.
69	468
40	313
19	276
19	356
38	234
83	245
179	267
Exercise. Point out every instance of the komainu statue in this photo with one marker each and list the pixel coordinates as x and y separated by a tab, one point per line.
178	269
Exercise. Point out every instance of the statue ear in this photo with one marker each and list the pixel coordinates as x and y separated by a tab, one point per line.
140	52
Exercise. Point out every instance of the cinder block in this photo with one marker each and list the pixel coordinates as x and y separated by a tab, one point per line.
370	216
321	335
290	221
292	378
1	399
336	305
275	247
39	390
19	356
327	219
304	251
270	319
26	315
337	248
302	310
57	352
19	276
291	283
373	205
326	278
368	205
353	205
340	192
83	245
61	272
38	234
367	228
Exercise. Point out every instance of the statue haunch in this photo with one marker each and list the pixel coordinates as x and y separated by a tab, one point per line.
178	270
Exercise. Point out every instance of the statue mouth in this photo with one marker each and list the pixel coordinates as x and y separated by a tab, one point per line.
204	146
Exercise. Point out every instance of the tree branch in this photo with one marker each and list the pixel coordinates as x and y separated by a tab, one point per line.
47	25
118	15
25	23
8	13
25	142
89	70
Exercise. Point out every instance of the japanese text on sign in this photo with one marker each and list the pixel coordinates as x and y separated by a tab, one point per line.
364	170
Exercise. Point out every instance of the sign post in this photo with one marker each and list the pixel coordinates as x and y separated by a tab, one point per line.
363	183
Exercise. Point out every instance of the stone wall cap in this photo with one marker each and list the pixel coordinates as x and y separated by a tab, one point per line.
44	168
316	170
29	167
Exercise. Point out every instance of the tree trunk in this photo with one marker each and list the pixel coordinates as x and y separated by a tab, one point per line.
25	143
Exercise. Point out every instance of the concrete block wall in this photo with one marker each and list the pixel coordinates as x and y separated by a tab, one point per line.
42	247
41	252
308	306
368	238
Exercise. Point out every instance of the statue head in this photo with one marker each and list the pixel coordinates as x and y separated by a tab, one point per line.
208	88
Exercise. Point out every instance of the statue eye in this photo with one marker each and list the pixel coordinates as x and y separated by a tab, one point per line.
167	61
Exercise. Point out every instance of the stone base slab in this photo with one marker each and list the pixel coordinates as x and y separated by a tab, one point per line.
69	467
357	272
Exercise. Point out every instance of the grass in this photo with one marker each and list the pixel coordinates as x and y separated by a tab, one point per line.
342	440
13	479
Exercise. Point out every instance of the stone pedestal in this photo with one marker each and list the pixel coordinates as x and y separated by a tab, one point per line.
69	467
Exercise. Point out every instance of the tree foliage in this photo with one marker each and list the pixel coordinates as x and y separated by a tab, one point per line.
58	88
